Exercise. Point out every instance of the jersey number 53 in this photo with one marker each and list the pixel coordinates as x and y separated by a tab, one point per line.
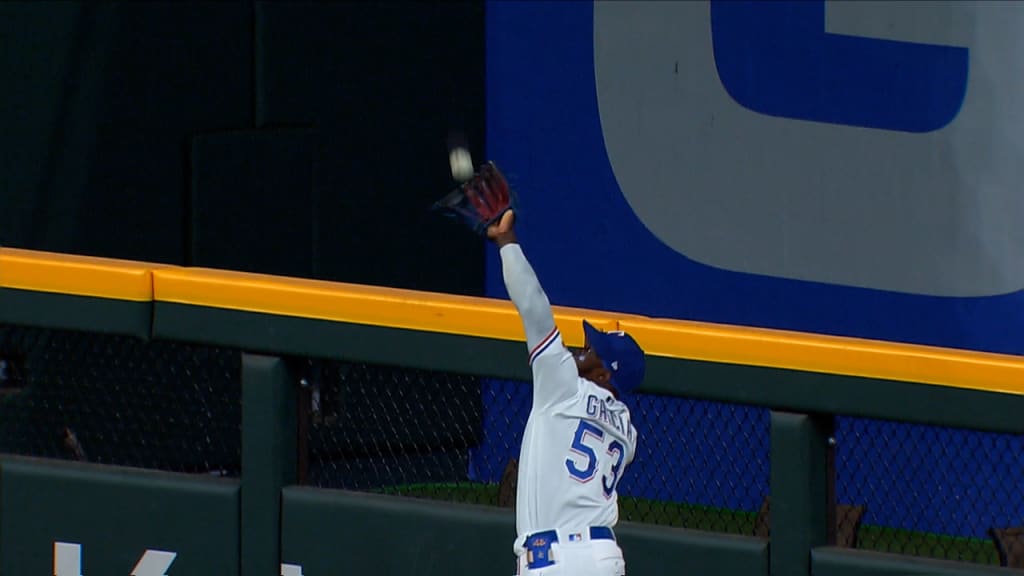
583	461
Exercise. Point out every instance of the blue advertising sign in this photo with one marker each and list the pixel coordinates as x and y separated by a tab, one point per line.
846	168
674	160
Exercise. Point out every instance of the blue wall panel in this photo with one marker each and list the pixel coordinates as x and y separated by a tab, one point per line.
591	249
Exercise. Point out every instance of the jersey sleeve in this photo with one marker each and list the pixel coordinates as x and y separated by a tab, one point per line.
554	371
529	298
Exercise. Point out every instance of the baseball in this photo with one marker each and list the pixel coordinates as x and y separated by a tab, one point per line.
462	164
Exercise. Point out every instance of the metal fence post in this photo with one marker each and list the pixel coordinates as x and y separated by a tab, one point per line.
800	490
268	460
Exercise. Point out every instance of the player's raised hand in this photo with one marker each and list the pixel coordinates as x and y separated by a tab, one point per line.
503	231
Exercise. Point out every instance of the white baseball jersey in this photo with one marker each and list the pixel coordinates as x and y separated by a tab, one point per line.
578	439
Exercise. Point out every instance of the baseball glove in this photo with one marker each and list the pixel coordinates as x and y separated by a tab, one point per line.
481	201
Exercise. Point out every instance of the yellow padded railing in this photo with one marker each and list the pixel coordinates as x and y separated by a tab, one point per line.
78	275
492	318
410	309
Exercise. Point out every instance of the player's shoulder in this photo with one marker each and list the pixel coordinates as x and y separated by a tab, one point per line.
550	349
597	399
590	388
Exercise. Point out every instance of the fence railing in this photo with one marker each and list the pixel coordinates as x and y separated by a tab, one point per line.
847	455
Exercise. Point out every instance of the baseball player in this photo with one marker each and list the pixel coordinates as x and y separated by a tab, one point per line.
578	439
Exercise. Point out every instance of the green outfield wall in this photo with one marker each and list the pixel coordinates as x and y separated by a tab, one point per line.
75	519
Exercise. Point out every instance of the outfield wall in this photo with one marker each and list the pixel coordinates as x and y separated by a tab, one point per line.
118	519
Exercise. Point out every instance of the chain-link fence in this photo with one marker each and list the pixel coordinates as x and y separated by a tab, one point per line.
119	400
382	428
932	491
701	465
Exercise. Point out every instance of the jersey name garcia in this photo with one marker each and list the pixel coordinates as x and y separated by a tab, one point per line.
576	446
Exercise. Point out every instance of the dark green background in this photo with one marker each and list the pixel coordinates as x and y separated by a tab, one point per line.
176	131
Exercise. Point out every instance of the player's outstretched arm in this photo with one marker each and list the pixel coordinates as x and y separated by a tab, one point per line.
521	282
